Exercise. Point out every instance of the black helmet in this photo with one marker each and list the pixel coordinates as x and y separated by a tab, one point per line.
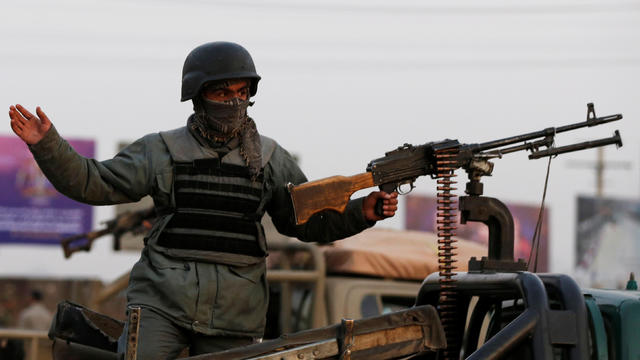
216	61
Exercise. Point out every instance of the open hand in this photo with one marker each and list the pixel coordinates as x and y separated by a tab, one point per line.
389	205
30	128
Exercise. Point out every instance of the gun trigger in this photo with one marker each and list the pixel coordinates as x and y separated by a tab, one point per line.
401	189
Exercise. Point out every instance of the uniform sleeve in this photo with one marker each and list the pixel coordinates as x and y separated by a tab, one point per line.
323	227
125	178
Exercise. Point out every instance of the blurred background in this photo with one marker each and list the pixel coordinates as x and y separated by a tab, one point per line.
342	83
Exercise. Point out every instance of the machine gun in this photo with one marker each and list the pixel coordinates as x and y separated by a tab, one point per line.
401	167
448	290
136	222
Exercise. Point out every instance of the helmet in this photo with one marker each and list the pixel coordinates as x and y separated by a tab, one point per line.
216	61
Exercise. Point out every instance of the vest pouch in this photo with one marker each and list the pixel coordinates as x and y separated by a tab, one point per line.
164	181
163	283
243	297
162	194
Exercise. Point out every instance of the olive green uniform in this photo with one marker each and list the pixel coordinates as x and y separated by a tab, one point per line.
206	297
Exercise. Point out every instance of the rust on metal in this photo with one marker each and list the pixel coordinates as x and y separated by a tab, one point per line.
132	333
347	341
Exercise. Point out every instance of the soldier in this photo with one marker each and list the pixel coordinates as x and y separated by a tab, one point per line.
200	281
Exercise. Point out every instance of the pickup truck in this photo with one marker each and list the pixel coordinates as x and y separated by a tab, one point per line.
501	314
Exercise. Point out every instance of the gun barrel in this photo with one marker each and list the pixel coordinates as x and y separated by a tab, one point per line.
546	132
590	122
615	139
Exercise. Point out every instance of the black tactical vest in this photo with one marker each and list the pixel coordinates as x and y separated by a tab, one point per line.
218	207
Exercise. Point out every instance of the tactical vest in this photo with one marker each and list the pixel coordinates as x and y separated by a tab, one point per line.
217	206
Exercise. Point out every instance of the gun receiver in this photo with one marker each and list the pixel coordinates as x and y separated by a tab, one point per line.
402	166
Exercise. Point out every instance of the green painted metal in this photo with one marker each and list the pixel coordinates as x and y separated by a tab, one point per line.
599	332
632	284
620	311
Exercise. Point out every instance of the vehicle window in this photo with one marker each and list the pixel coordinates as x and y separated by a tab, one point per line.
375	304
396	303
609	328
301	299
489	317
298	316
369	306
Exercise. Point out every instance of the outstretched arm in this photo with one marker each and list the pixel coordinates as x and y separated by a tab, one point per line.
125	178
30	128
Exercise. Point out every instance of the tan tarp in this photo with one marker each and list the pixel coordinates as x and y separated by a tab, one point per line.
394	254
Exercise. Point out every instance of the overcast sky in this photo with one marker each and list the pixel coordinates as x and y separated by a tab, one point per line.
343	82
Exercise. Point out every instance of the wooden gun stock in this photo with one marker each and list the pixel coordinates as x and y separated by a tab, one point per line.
332	193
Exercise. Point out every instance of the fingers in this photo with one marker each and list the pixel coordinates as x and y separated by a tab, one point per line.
24	112
19	114
393	196
389	204
16	126
43	117
387	198
15	115
27	126
17	123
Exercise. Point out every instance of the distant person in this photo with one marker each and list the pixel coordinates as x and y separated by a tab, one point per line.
35	316
201	278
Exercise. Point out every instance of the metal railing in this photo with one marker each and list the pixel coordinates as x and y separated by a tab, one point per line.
33	340
286	276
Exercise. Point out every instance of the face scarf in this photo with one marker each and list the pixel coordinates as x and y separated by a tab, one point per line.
220	122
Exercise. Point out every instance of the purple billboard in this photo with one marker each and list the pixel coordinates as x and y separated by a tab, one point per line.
31	210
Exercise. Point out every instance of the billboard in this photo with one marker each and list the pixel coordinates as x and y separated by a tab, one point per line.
421	215
607	241
31	210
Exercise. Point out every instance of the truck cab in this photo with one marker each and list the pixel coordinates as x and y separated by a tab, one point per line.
614	319
375	272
